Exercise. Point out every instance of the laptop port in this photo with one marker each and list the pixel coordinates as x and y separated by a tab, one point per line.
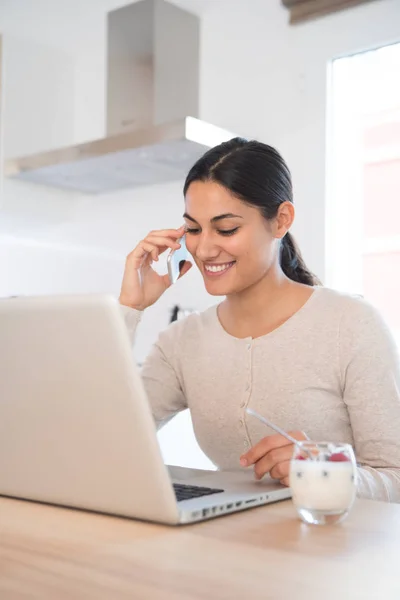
229	506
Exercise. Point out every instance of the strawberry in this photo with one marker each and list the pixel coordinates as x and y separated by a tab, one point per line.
339	457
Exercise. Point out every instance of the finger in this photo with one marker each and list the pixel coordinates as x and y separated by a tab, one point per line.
269	443
162	242
145	248
172	233
135	258
262	448
186	267
281	470
270	463
285	481
150	249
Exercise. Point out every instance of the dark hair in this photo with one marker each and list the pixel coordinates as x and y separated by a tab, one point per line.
256	174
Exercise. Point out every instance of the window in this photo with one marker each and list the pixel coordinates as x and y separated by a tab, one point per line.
363	211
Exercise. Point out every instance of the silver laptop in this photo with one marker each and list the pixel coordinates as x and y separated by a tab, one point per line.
76	428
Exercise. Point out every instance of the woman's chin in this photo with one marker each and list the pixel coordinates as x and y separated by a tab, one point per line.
217	288
220	284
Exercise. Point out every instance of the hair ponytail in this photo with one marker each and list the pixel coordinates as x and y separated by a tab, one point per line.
292	263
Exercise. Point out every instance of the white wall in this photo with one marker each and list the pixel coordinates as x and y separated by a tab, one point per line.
259	77
39	83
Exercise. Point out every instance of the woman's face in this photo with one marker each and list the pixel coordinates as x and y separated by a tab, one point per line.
232	244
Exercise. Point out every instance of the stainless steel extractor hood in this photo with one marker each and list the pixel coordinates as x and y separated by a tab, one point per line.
152	88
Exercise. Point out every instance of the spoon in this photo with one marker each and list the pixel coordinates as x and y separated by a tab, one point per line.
298	445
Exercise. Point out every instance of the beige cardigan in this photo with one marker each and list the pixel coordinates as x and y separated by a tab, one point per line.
332	370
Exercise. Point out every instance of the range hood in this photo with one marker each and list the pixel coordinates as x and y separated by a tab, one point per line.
154	134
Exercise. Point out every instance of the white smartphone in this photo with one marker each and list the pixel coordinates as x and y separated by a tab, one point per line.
176	259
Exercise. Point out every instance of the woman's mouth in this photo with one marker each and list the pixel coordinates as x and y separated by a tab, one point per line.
215	270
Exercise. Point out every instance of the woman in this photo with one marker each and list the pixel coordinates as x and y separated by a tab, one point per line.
319	364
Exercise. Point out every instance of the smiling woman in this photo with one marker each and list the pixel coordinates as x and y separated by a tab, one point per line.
242	191
315	362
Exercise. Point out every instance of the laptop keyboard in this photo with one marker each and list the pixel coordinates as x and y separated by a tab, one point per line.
187	492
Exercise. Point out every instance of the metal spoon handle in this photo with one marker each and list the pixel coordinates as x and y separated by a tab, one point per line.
255	414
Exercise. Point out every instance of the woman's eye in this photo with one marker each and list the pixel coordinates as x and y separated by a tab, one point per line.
228	231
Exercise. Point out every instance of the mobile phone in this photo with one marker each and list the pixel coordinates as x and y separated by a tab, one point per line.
176	260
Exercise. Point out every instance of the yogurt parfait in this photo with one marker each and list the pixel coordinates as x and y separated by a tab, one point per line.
323	481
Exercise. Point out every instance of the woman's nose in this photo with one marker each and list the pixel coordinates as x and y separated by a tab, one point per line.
205	249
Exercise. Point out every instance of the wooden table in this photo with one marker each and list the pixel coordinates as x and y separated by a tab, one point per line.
54	553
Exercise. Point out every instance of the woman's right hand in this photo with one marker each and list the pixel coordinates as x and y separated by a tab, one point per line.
141	285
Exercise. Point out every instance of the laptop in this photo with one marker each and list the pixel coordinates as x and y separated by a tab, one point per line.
76	428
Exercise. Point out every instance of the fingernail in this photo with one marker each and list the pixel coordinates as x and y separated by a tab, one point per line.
243	462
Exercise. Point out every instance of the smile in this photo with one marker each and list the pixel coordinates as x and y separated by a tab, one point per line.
218	269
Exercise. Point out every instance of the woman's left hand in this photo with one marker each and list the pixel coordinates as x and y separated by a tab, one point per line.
272	455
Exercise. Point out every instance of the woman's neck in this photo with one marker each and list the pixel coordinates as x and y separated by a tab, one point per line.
263	307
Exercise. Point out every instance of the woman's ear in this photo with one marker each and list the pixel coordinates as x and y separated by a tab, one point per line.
284	219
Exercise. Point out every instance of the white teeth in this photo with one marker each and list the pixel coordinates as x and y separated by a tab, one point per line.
217	268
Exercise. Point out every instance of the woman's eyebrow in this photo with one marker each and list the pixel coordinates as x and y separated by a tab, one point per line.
214	219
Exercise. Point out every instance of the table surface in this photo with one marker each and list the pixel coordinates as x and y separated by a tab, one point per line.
55	553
